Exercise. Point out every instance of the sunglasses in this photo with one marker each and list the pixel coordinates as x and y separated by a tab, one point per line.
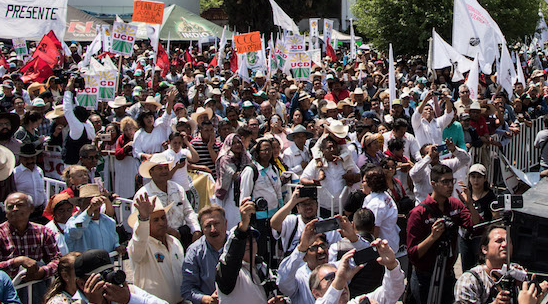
315	248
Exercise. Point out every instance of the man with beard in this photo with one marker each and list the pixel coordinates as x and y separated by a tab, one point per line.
9	123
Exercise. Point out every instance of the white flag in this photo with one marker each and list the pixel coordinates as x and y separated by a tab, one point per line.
473	79
242	68
106	36
542	29
32	19
391	75
506	75
222	44
93	48
153	33
475	32
521	77
352	41
444	55
282	20
118	19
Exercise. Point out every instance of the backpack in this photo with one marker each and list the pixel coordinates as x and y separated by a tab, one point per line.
238	181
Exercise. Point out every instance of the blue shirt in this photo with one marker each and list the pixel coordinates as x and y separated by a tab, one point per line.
82	233
8	295
199	269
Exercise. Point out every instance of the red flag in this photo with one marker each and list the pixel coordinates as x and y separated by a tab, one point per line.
163	60
4	62
49	49
330	51
190	58
234	62
213	62
36	70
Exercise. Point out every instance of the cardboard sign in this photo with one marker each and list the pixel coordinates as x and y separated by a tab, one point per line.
296	43
281	53
88	96
148	12
20	47
123	38
107	83
299	64
249	42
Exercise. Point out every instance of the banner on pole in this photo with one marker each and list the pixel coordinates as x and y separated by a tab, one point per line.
107	84
123	38
313	27
148	12
88	96
296	43
281	54
33	19
328	30
300	65
250	42
20	47
316	56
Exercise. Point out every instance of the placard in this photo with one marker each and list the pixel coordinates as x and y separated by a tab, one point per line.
148	12
250	42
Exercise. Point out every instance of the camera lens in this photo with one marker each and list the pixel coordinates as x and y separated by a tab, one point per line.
116	277
261	204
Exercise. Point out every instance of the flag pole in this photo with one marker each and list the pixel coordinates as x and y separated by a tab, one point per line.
118	86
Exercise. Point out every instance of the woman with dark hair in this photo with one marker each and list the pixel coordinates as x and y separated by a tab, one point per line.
261	182
482	196
28	131
384	208
53	84
229	165
148	140
395	186
276	128
297	118
109	146
64	285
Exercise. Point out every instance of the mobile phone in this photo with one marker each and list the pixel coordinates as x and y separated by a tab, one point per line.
182	159
366	255
326	225
311	192
275	119
441	148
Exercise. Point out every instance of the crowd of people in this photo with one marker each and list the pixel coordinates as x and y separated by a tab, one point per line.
327	190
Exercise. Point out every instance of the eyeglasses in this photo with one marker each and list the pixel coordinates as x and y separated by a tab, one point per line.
314	248
463	92
448	182
92	157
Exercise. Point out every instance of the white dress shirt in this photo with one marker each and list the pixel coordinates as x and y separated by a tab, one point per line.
293	157
31	183
411	145
148	143
430	132
59	236
181	175
420	173
76	126
386	216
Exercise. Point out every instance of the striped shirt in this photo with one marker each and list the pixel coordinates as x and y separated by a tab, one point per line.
203	152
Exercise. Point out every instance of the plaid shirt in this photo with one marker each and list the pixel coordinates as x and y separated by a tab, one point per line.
44	128
37	243
469	290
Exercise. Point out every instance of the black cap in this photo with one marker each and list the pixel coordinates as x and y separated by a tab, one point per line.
92	261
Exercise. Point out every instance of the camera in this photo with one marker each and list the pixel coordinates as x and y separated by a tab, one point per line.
311	192
437	93
261	204
104	136
449	224
79	82
116	277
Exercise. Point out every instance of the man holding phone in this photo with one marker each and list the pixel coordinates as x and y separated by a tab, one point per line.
288	227
420	173
293	275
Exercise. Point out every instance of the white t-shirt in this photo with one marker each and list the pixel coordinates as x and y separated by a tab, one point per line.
386	217
181	175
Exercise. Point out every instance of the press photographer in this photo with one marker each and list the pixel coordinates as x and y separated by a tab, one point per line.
483	283
432	236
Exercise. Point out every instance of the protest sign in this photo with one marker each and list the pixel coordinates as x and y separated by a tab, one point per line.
148	12
123	38
107	84
281	53
296	43
20	47
300	65
327	30
250	42
88	96
32	19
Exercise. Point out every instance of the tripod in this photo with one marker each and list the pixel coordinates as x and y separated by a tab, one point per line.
438	276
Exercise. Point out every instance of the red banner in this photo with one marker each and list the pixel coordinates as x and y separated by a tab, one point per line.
36	70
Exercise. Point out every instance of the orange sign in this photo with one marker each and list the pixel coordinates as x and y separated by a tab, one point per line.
250	42
148	12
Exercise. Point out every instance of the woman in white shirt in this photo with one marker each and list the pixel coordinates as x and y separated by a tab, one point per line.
384	208
148	140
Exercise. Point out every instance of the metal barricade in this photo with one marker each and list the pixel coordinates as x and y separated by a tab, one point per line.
29	286
54	186
122	209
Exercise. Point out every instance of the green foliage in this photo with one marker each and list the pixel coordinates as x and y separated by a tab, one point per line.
207	4
407	24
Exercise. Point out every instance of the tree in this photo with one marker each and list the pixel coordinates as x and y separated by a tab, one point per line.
408	24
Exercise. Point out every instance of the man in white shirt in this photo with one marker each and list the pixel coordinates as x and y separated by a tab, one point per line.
428	129
156	257
329	284
297	156
168	192
29	179
329	174
420	173
411	148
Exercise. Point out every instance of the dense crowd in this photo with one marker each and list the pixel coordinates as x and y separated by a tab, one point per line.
260	190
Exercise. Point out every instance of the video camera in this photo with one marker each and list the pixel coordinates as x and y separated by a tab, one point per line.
116	277
79	82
